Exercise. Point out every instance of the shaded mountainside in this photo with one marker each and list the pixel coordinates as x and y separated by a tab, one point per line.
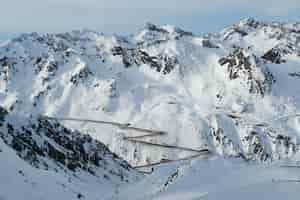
50	147
220	91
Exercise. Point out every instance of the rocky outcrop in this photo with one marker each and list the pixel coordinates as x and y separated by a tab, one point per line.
257	77
86	73
81	76
209	44
276	54
7	65
3	114
161	63
153	35
43	142
257	143
273	56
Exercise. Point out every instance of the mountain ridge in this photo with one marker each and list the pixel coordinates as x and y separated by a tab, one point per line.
233	93
164	75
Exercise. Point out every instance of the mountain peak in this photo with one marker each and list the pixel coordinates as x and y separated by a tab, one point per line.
233	93
249	21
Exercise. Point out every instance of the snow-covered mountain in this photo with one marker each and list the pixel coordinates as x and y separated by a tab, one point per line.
42	157
234	93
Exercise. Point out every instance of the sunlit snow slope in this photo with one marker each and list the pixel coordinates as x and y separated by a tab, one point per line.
235	92
216	179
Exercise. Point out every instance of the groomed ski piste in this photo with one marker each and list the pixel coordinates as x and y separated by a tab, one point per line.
161	114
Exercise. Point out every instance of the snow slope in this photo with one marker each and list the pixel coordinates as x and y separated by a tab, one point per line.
44	160
217	179
234	92
20	180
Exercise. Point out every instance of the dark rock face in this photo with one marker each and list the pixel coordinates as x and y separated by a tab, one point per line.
81	76
177	31
3	114
241	32
44	63
233	31
257	147
155	35
295	74
7	67
260	143
260	150
208	44
224	142
276	54
126	54
161	63
153	27
241	66
273	56
43	141
251	22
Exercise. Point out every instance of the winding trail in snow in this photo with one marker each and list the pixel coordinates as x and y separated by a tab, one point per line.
169	161
170	146
123	126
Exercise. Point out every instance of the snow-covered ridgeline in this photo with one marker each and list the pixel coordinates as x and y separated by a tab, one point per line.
222	91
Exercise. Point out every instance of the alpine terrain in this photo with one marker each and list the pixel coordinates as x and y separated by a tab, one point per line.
161	114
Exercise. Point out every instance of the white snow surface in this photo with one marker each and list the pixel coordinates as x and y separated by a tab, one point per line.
19	180
77	75
216	179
